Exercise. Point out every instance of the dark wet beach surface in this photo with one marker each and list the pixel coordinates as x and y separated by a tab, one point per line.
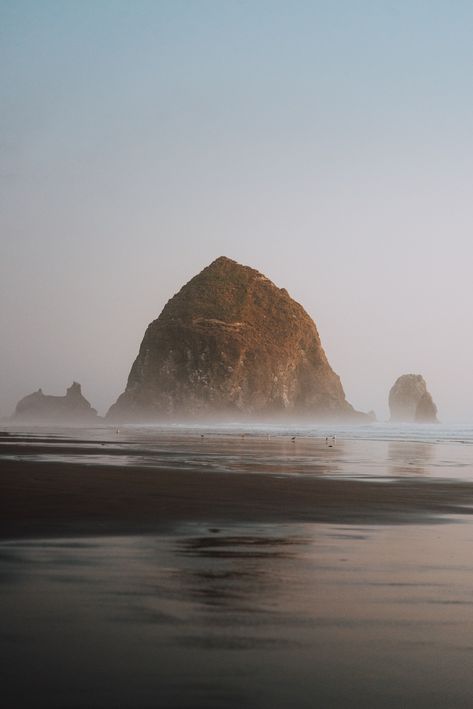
252	616
347	583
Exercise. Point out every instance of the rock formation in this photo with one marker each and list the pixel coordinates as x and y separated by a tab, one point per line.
231	343
42	408
409	400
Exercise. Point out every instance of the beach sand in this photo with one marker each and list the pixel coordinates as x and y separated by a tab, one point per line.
152	569
57	485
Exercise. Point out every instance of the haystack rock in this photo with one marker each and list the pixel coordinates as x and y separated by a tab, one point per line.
231	343
42	408
409	400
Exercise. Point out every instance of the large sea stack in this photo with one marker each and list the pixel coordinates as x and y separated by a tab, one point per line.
231	343
410	401
44	408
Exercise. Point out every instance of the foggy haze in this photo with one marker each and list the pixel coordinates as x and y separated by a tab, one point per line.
326	144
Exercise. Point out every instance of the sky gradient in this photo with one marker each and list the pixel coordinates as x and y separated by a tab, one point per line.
327	144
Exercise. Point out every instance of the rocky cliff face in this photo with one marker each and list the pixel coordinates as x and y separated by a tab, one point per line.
231	342
71	408
409	400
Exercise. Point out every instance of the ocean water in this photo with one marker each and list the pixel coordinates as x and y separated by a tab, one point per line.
420	433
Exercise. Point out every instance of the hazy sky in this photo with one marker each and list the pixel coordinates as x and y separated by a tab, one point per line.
328	144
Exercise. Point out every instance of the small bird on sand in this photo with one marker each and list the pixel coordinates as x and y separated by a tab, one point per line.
329	441
293	439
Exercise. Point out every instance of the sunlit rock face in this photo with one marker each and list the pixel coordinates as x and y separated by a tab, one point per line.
409	400
231	342
71	408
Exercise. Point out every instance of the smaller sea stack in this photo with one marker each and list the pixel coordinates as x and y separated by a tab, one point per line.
43	408
410	401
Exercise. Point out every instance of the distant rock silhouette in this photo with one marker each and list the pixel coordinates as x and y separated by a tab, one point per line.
71	408
409	400
231	342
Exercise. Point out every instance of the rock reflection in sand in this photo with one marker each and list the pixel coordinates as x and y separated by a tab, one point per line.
240	615
413	458
239	570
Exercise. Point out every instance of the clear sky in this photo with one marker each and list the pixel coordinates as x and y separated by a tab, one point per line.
328	144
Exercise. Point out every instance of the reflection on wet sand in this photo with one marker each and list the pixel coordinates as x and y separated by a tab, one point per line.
254	616
163	450
239	569
248	572
152	480
352	455
413	458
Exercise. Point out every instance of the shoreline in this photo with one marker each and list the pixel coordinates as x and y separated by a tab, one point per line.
57	499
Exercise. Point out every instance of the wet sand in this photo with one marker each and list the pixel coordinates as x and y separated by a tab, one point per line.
61	486
260	616
155	570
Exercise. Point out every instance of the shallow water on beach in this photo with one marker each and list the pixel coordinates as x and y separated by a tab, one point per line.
263	616
374	452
